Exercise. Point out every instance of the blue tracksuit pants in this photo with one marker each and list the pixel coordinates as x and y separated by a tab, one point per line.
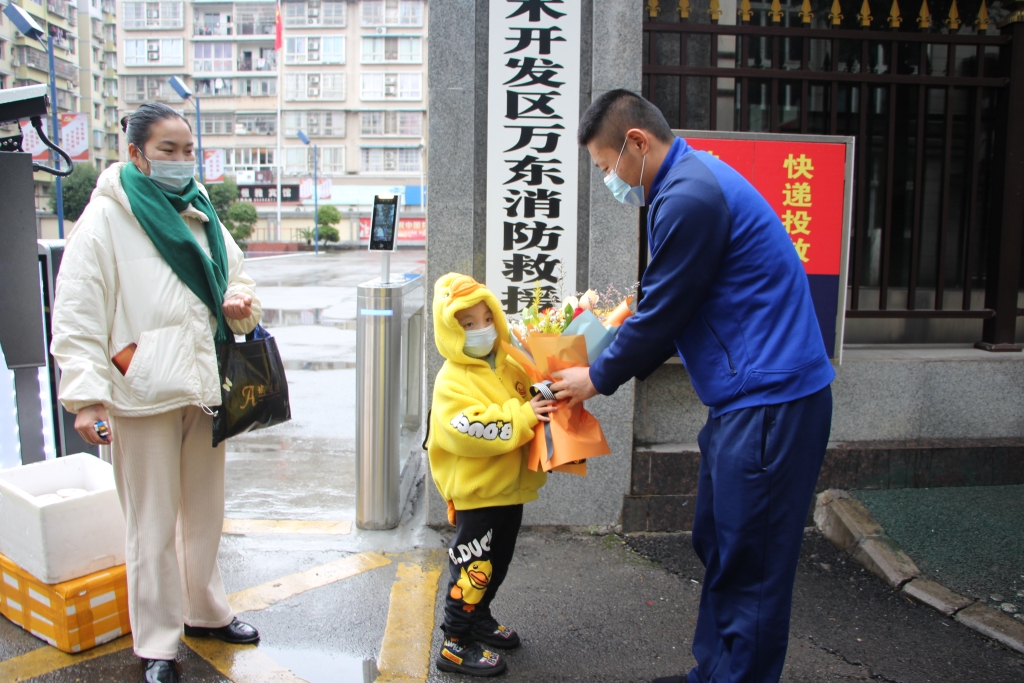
758	470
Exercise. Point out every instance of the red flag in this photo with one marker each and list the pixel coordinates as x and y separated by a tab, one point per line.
278	31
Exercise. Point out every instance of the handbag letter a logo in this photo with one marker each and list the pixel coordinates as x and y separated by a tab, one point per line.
249	392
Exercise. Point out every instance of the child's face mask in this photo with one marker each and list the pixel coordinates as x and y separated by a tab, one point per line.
479	343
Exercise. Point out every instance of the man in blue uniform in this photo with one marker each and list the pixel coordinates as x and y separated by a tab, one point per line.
724	289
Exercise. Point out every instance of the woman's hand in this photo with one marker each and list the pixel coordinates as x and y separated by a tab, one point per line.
85	423
542	406
238	307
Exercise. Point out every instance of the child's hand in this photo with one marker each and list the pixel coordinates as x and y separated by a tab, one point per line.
542	406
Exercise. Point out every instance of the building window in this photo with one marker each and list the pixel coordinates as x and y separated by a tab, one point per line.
212	57
298	160
256	124
257	87
392	13
397	123
332	160
409	160
154	51
392	49
255	20
333	50
153	15
249	159
216	124
97	139
301	50
295	14
212	87
378	160
401	86
143	88
314	86
333	87
315	124
333	13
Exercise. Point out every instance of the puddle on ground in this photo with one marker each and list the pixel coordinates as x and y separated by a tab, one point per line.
317	666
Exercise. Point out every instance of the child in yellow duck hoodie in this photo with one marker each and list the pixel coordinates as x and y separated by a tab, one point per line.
481	420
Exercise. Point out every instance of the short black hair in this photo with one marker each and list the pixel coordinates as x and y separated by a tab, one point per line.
613	113
139	125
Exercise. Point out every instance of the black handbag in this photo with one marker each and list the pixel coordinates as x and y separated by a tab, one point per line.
253	388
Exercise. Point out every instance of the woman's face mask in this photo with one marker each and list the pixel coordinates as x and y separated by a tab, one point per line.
479	343
623	192
173	176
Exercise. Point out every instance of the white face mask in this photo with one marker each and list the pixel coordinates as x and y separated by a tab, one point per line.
479	343
172	176
633	196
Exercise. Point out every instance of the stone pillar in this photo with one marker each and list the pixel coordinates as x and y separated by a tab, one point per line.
608	231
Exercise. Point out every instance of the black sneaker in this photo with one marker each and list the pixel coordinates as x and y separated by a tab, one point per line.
468	657
490	632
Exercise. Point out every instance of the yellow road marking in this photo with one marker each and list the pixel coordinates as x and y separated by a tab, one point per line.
267	594
405	652
286	526
47	659
241	663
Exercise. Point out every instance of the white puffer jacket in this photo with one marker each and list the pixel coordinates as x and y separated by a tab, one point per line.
114	289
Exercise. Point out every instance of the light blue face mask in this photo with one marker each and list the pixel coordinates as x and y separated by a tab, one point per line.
479	343
622	191
172	176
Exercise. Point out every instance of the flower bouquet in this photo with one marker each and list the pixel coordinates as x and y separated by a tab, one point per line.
569	334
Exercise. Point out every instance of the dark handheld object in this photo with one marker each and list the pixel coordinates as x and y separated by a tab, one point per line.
253	387
102	431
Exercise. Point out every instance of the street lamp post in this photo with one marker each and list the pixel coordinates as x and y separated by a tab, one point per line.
316	195
185	93
27	25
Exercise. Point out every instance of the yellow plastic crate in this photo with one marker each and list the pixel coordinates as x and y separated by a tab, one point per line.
72	616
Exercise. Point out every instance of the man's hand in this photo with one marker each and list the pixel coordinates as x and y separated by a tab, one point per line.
573	384
85	421
238	307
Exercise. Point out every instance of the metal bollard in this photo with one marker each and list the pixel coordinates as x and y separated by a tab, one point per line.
382	310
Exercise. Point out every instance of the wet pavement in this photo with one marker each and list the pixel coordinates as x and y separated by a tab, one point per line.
337	605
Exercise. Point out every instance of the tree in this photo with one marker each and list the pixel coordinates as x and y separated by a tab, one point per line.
78	189
240	219
328	217
223	195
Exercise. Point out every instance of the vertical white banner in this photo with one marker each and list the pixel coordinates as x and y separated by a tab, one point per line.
213	166
532	158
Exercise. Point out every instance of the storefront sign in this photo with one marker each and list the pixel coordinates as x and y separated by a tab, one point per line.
532	157
808	180
409	229
267	194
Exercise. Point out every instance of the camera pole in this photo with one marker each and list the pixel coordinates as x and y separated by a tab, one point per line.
55	135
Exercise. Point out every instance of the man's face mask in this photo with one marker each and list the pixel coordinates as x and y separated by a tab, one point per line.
621	190
172	176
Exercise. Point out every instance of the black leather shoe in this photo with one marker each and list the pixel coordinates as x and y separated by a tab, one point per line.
237	632
160	671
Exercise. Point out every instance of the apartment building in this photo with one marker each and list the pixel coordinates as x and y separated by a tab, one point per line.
25	62
351	77
97	61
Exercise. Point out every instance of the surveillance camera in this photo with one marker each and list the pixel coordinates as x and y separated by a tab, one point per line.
17	104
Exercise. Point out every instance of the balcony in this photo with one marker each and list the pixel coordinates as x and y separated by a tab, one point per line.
256	28
212	30
58	7
36	59
109	7
257	65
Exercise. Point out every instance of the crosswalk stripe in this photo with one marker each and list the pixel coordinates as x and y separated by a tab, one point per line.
405	651
267	594
286	526
47	659
241	663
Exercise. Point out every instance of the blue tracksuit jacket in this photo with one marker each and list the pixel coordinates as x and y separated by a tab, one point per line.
724	288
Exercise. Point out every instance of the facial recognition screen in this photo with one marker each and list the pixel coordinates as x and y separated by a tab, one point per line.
384	223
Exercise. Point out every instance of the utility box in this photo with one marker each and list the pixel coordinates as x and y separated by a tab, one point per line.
56	538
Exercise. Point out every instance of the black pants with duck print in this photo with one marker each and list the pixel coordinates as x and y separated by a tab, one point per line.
478	560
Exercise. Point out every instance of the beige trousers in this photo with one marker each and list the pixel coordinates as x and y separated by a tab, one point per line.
171	485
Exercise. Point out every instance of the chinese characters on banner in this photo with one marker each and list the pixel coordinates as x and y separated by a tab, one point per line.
306	189
74	136
213	166
32	143
532	156
805	183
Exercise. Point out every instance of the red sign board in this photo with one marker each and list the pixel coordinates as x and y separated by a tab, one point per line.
806	181
409	229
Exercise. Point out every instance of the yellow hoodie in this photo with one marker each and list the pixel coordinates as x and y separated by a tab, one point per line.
481	418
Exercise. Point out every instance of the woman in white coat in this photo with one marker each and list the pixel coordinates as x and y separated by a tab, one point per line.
149	282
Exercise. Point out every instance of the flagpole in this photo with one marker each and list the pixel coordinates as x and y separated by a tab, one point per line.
279	53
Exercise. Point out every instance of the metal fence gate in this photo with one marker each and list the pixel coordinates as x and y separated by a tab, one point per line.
939	175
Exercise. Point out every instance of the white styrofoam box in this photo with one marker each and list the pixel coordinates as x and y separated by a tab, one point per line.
66	539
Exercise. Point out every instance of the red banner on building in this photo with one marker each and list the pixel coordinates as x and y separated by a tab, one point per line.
213	166
410	230
74	136
807	181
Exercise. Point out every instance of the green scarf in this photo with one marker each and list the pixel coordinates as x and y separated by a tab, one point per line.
158	212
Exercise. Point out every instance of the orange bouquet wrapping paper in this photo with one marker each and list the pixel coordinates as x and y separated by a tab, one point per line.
575	434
